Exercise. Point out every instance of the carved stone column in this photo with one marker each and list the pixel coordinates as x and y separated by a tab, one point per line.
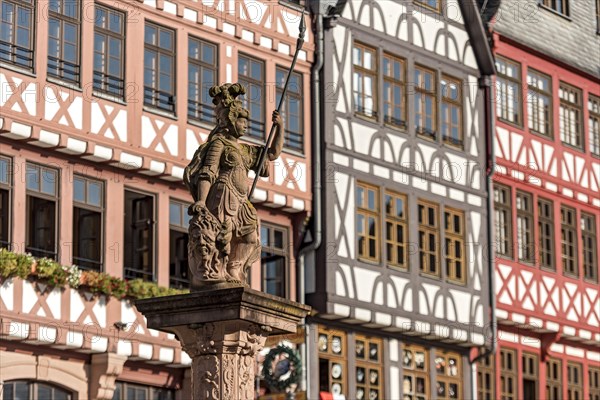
106	368
222	328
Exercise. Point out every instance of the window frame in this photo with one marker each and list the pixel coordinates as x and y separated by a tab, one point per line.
397	222
506	208
44	196
565	6
362	251
248	82
151	391
486	368
589	235
594	382
564	226
275	251
360	72
531	371
291	95
370	365
178	282
553	383
509	372
99	209
427	230
153	101
546	221
457	103
568	105
534	93
63	19
525	250
519	85
33	386
325	337
594	120
450	233
108	33
446	378
395	82
410	370
31	7
152	241
423	3
574	380
424	93
205	109
8	187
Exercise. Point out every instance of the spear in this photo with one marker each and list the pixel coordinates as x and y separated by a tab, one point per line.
263	153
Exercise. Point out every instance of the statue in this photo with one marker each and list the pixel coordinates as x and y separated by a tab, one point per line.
223	233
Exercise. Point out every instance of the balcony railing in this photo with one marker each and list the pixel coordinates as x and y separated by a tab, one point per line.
109	84
201	112
17	55
164	101
63	70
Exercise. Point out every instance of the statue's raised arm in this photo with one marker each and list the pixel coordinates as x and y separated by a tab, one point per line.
223	232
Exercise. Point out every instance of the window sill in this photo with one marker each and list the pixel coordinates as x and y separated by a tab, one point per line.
516	125
200	124
572	147
397	128
108	97
456	282
541	135
594	155
553	11
161	113
64	83
18	69
372	119
374	263
293	152
398	268
430	275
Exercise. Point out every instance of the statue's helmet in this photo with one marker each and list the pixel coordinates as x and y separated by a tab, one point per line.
227	107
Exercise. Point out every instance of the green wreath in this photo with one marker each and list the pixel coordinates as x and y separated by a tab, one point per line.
279	357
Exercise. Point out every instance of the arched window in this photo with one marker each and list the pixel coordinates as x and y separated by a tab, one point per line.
30	390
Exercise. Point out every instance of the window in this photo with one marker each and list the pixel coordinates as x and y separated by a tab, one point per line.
434	5
560	6
452	133
425	102
251	76
332	361
508	374
179	222
502	220
159	67
109	43
525	227
508	90
594	382
292	110
530	375
594	121
396	230
16	35
415	361
553	379
129	391
364	80
369	376
42	199
274	259
88	207
139	236
367	221
454	228
428	238
448	376
539	103
202	75
28	390
597	16
570	115
64	20
486	378
574	381
394	95
5	195
568	233
546	233
590	249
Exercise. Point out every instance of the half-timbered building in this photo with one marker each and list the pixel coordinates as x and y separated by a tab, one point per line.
547	203
103	105
400	282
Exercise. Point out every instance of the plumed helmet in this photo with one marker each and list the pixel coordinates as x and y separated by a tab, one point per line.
227	107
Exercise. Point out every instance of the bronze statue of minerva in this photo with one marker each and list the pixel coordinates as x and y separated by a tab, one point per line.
223	232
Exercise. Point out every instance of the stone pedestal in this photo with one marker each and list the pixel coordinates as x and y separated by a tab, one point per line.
222	328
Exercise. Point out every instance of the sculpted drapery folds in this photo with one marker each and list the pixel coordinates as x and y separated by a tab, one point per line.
223	231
